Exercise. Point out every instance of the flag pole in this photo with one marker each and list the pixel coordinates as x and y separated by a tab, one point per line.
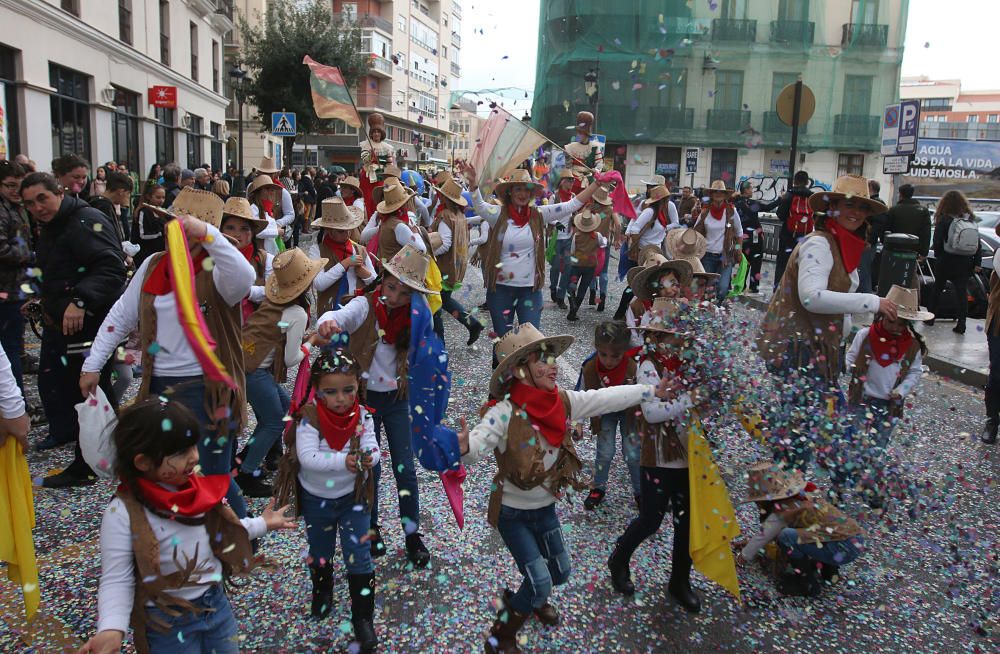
553	143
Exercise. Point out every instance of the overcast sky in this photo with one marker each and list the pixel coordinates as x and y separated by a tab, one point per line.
957	35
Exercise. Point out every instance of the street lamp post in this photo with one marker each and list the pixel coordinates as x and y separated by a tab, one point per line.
238	76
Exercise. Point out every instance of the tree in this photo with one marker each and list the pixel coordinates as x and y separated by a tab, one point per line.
273	53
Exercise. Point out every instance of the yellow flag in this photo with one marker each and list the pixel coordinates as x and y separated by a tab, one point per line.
713	520
17	519
433	281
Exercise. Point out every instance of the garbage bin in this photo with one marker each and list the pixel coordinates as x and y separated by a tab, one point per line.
899	261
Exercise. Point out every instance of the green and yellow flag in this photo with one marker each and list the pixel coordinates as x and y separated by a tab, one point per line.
331	99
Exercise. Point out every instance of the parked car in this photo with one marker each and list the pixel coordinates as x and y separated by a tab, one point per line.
978	289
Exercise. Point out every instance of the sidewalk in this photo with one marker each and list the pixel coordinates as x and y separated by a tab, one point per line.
964	357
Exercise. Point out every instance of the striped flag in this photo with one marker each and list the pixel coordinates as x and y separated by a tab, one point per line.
504	143
331	99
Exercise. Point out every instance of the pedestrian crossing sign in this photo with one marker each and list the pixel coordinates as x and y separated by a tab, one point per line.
282	123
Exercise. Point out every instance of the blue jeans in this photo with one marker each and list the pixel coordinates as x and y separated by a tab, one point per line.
631	445
534	538
560	263
215	452
507	301
393	414
12	337
324	517
837	553
270	404
579	277
600	282
208	632
713	263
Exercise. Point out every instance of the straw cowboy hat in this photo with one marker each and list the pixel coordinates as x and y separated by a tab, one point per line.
655	180
292	274
658	193
650	258
410	267
237	207
661	317
394	196
852	187
353	182
519	176
566	173
442	177
390	171
518	343
267	166
260	182
643	282
587	221
907	303
686	243
203	205
698	270
451	190
337	215
718	186
602	196
768	481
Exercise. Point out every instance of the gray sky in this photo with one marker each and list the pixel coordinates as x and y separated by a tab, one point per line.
957	34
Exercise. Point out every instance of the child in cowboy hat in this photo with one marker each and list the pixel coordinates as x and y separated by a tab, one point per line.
720	224
378	323
885	361
349	190
560	264
272	202
662	278
349	268
601	204
647	231
585	243
811	533
689	245
396	226
239	223
529	432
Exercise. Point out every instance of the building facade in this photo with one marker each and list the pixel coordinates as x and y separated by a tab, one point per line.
948	112
673	77
464	125
78	76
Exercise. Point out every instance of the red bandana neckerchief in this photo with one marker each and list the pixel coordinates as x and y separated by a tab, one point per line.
669	362
887	348
248	251
544	408
337	428
403	215
718	211
661	217
565	196
391	322
613	376
851	245
268	207
340	250
199	495
519	216
158	281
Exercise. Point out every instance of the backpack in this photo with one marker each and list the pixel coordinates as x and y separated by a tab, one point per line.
800	216
963	236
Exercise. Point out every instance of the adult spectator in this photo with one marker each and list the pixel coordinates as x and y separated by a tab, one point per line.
15	255
687	205
71	172
876	229
117	194
187	178
82	274
221	188
171	183
992	399
796	221
910	217
951	264
24	162
155	174
202	179
147	226
100	183
307	194
753	233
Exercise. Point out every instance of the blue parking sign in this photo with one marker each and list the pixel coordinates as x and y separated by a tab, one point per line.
282	123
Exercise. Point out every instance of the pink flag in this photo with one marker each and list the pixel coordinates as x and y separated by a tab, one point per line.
622	204
452	481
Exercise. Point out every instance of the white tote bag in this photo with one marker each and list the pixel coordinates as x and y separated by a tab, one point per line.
97	422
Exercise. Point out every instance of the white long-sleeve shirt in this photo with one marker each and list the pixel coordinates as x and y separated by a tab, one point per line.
815	265
11	399
655	411
382	372
322	469
257	292
768	531
446	237
715	230
404	235
177	541
491	432
656	232
880	381
327	278
233	276
293	323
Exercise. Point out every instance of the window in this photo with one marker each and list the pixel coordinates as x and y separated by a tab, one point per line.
70	112
216	131
668	163
423	35
793	10
350	11
778	82
425	71
734	9
936	104
165	136
72	6
125	21
165	33
974	118
215	66
864	12
857	95
194	155
724	165
194	52
850	164
8	98
340	127
993	118
125	128
401	24
728	90
444	51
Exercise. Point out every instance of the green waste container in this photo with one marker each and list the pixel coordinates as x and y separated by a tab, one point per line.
899	261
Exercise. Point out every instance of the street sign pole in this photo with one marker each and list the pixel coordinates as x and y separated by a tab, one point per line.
796	109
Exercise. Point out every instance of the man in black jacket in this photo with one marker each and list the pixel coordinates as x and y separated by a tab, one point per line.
787	239
118	194
171	183
910	217
82	274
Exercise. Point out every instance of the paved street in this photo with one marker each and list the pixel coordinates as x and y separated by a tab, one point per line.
928	582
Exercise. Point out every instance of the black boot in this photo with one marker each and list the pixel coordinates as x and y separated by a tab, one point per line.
800	582
475	329
363	610
593	297
252	484
830	573
322	592
621	576
600	305
680	590
594	499
989	435
959	328
416	552
573	307
376	542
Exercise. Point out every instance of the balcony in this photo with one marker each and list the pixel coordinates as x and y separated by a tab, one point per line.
773	124
728	119
793	32
374	102
456	9
456	39
456	70
737	30
857	129
661	118
380	66
375	22
865	36
961	131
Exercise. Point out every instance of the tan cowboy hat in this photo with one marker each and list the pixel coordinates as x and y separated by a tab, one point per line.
259	182
442	177
718	186
451	190
519	176
853	187
657	194
661	317
390	171
907	303
337	215
768	481
517	344
698	270
237	207
267	166
587	221
655	180
291	275
353	182
650	258
566	173
686	243
602	196
203	205
394	196
410	267
643	282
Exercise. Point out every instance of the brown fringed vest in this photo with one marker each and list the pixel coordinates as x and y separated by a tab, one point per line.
454	262
993	308
388	245
856	390
593	381
658	439
325	301
261	336
523	462
226	408
634	250
730	241
494	246
584	249
788	326
817	521
230	544
286	488
365	339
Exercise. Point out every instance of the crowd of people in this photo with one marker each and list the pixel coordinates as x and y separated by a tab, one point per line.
87	259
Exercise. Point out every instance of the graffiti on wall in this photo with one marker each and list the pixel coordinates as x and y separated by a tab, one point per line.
767	188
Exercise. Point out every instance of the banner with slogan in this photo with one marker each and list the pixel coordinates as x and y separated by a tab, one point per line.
940	165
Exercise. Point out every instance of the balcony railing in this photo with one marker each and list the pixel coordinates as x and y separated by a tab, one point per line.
661	118
728	29
961	131
793	31
377	22
456	39
728	119
857	128
381	65
456	70
866	36
773	124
